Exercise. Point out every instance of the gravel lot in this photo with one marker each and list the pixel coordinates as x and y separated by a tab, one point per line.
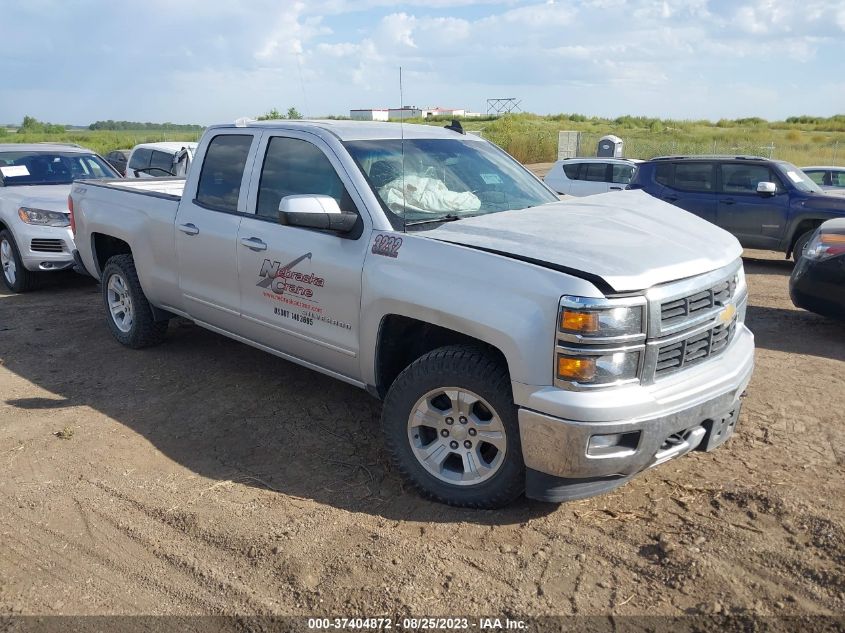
204	476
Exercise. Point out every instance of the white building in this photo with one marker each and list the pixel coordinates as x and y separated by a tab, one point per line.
407	112
371	114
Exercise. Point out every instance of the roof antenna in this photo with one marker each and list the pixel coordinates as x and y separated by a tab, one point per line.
402	145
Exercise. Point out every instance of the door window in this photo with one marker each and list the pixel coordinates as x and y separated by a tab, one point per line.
296	167
621	174
740	178
161	161
140	158
223	171
837	178
594	172
817	176
571	170
694	177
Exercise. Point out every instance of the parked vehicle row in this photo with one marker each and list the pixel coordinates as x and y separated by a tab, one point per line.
519	343
766	204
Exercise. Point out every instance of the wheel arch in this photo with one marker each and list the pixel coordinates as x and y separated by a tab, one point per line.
403	339
104	247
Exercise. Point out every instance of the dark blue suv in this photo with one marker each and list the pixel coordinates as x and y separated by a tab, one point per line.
766	204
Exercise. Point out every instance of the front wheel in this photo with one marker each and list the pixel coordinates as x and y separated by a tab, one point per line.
451	425
15	276
801	245
128	313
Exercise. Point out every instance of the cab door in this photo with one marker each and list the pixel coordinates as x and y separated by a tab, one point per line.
206	231
300	288
757	220
691	186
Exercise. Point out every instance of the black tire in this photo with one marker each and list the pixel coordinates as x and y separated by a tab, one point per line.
800	244
24	280
467	368
144	330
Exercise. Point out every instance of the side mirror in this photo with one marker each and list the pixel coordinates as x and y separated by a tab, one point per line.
316	212
766	188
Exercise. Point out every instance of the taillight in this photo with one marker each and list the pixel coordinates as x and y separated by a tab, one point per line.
72	221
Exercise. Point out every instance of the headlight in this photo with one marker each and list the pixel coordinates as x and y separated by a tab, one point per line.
589	320
586	367
43	217
600	341
825	245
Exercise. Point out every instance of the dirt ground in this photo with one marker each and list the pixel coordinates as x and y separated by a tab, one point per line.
204	476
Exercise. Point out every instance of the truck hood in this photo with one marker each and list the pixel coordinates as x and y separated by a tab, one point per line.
47	197
629	239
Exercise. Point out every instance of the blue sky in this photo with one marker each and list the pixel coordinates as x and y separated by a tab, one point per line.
205	61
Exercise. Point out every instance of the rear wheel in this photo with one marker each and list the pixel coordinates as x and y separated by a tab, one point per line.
451	424
15	276
801	244
128	313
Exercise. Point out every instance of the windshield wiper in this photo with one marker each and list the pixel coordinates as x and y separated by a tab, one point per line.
449	217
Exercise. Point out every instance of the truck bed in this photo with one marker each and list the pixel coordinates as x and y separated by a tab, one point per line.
159	187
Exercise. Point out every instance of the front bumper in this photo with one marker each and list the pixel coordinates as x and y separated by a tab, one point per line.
819	286
44	248
604	444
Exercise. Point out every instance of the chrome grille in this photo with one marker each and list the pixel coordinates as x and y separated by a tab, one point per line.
47	246
693	349
678	310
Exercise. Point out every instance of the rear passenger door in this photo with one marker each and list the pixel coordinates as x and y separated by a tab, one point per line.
757	220
592	179
301	288
206	231
690	185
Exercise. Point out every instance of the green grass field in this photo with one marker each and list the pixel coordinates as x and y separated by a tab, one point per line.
101	141
533	139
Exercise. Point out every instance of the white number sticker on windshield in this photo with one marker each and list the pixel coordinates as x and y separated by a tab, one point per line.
491	179
12	171
793	176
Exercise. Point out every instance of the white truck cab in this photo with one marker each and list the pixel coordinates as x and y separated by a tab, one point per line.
520	343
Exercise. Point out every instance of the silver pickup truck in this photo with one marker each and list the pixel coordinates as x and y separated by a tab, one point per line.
520	343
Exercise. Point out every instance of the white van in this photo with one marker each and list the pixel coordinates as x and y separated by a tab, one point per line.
586	176
154	160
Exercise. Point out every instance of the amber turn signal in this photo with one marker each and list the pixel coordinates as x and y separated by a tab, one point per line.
576	321
576	369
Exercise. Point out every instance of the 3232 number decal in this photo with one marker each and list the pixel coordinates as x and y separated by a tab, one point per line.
387	245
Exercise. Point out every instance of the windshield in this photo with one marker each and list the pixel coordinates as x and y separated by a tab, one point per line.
445	178
799	179
50	168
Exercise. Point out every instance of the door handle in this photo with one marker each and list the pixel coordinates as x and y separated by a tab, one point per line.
670	198
189	229
728	201
253	243
616	188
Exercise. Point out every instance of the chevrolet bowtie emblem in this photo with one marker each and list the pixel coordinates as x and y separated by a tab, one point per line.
726	315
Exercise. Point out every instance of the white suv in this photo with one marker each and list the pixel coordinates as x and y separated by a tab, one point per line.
586	176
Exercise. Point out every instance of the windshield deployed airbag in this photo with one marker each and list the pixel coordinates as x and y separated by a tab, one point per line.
427	195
